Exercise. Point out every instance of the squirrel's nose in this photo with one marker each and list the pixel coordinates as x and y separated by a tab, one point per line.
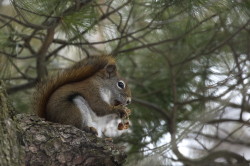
128	100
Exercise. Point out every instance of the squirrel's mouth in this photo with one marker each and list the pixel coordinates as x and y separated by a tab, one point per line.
116	103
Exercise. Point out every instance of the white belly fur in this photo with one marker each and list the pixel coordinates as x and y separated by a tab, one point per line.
105	125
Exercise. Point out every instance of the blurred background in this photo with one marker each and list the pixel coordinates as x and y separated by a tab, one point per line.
187	63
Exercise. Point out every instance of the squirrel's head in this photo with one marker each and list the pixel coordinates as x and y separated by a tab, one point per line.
114	89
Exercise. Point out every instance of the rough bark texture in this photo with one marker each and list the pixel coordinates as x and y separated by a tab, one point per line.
54	144
11	153
27	139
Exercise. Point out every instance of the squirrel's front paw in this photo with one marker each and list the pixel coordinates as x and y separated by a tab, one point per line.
122	111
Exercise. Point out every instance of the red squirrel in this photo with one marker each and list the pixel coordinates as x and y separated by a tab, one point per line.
87	95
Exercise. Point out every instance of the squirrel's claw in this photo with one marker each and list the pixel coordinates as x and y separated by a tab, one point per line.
128	111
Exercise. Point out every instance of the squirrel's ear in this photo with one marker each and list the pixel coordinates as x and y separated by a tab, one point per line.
111	70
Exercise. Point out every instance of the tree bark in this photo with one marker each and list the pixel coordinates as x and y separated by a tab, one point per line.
11	153
28	139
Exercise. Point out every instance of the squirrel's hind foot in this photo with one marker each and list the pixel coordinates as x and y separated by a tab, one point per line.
91	130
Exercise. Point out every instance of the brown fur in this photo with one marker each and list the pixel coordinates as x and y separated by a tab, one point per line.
53	98
74	74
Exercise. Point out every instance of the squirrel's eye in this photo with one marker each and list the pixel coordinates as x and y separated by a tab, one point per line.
121	84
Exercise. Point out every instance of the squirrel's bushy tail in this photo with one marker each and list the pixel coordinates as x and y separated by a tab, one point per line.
78	72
